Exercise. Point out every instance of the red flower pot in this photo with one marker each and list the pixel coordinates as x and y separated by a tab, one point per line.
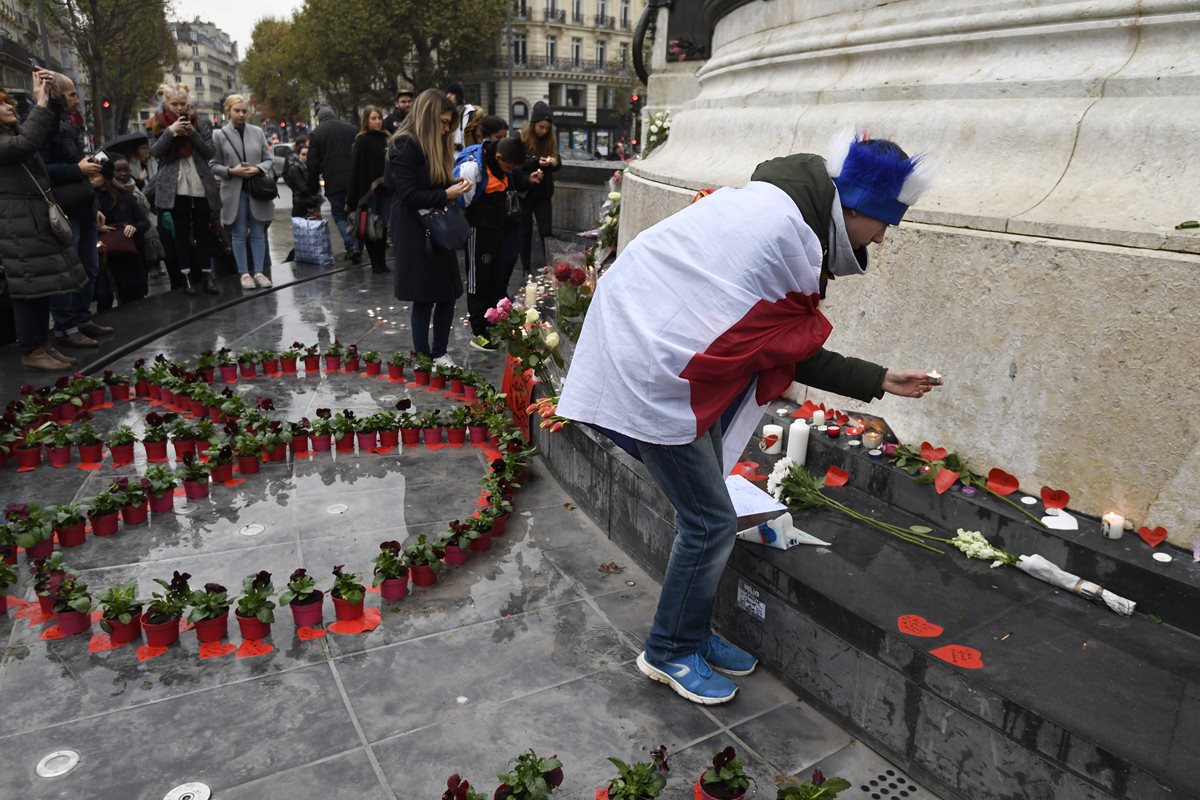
704	795
456	385
479	434
389	438
216	414
72	536
494	441
481	544
67	412
500	525
96	397
59	456
40	550
300	444
202	446
195	490
308	615
198	408
321	441
411	437
125	632
421	377
3	602
345	610
396	371
161	634
105	524
183	447
121	453
422	575
394	588
437	381
253	627
92	453
432	435
135	515
456	435
167	397
352	365
344	443
470	393
229	373
207	374
454	556
248	465
141	388
373	367
247	369
288	365
155	391
279	452
213	630
119	392
45	604
163	503
72	622
155	451
28	457
10	555
312	364
270	365
366	440
222	473
333	363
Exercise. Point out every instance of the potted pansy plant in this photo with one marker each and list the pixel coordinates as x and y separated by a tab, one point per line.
391	571
104	512
348	594
206	365
410	424
456	542
210	613
220	462
424	561
304	599
91	448
322	430
456	424
120	444
642	780
58	443
249	449
69	526
72	603
122	613
255	609
154	437
132	493
352	358
366	432
817	788
372	360
275	440
301	435
422	368
160	487
459	789
289	357
8	576
183	438
31	528
43	570
437	377
344	423
227	364
333	356
270	362
726	778
312	360
481	527
387	423
248	363
160	619
29	451
194	474
396	366
431	427
531	778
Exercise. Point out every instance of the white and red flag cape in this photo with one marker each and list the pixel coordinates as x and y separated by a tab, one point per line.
703	314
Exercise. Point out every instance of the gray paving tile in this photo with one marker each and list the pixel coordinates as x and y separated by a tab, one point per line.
348	776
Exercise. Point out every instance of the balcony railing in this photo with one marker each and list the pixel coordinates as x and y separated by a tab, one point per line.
578	18
583	66
625	24
603	21
558	15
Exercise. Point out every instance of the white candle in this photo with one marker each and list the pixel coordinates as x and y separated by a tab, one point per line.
772	439
797	445
818	418
531	293
1112	525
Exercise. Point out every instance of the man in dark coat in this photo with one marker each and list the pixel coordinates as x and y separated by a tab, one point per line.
404	101
70	170
329	157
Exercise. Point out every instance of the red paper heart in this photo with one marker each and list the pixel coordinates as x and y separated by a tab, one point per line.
1055	498
235	482
53	632
371	619
841	418
769	441
1001	482
102	643
1153	537
945	479
960	656
836	476
748	470
805	411
252	648
147	652
216	649
88	466
931	453
37	617
346	627
916	625
306	633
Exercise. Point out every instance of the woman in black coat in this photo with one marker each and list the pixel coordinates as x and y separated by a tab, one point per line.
366	190
123	222
419	174
541	145
37	263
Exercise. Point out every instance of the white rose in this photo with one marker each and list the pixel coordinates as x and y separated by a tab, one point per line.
614	196
552	339
532	316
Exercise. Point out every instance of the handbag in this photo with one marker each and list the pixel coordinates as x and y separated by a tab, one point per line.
369	227
116	243
446	227
311	240
263	186
58	220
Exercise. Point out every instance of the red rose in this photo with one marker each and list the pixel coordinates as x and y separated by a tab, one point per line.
562	272
578	276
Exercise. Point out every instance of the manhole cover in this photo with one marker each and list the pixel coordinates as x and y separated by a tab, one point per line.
388	398
60	762
253	529
189	791
337	508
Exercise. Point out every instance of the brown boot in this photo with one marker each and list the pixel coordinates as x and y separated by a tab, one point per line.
43	362
70	362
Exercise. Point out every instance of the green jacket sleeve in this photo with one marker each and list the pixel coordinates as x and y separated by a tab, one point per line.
850	377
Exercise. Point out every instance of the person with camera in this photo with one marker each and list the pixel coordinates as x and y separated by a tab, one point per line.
241	156
37	263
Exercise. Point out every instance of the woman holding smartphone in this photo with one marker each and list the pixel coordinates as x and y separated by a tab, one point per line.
419	173
241	153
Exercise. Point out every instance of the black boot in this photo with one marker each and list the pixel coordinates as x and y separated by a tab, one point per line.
188	288
210	285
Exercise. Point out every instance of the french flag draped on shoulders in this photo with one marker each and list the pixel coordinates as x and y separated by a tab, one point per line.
701	318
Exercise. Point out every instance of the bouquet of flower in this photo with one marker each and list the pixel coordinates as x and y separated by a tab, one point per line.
529	339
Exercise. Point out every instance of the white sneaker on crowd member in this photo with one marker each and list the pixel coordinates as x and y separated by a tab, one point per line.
248	281
445	361
262	280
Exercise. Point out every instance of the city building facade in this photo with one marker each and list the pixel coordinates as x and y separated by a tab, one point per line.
22	45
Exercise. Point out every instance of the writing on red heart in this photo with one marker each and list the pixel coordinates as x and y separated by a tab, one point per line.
836	476
147	652
251	648
916	625
216	649
1001	482
306	633
944	480
959	655
1054	498
1153	537
931	453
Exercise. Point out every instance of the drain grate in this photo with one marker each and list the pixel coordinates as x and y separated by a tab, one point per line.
890	784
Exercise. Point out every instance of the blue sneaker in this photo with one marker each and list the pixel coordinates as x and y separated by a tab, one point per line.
726	657
691	677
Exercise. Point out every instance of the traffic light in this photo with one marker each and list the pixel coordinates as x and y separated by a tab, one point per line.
105	104
635	102
282	124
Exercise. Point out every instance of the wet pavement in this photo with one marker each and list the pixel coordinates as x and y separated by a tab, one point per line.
529	645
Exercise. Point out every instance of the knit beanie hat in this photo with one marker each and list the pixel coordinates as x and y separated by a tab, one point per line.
541	111
875	177
324	113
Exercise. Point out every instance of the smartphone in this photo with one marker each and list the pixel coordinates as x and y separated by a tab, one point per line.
100	157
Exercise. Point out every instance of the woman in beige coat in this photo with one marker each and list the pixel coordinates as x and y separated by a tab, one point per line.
242	153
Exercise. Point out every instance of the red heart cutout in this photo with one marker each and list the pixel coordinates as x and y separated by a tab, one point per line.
102	643
1055	498
916	625
769	441
306	633
371	619
836	476
805	411
931	453
1001	482
347	626
1153	537
748	470
53	632
960	656
945	479
841	418
147	652
251	648
216	649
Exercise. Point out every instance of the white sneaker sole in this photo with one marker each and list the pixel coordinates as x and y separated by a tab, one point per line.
653	673
734	672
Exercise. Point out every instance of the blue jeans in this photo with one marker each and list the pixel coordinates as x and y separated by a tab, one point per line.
691	477
258	237
73	310
337	209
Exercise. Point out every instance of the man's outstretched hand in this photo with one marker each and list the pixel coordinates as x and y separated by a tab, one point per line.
907	382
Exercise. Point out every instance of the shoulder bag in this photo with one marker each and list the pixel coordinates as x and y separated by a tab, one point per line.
262	185
369	225
446	227
58	220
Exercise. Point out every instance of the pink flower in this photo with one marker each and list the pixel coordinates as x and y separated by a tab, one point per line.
504	306
492	316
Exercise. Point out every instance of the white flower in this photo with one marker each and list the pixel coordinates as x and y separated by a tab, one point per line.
614	196
532	316
552	339
775	481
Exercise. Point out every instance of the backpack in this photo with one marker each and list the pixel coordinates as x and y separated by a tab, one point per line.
473	153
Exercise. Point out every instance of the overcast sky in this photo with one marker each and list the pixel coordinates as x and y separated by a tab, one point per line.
235	17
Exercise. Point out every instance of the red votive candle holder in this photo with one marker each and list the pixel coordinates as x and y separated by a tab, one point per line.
833	431
854	431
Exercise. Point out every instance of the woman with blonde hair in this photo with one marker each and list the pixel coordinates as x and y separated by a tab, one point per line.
185	191
366	189
242	153
419	173
541	145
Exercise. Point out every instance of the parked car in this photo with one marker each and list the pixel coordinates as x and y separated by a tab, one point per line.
280	151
